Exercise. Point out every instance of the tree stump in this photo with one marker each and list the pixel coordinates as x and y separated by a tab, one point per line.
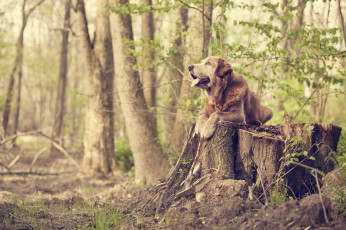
240	158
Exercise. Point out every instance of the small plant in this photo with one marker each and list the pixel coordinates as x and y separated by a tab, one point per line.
107	218
337	193
278	195
186	162
341	154
202	220
294	154
295	148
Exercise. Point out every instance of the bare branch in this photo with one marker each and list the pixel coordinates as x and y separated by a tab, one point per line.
33	8
15	160
4	166
33	132
59	147
209	19
67	30
36	156
176	68
33	173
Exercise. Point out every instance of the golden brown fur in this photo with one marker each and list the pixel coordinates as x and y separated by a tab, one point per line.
228	96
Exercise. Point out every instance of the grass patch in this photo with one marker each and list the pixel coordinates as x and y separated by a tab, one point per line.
108	217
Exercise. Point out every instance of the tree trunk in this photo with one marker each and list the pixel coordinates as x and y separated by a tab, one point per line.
99	125
8	100
17	68
342	21
19	85
196	47
150	163
175	63
60	100
240	158
148	75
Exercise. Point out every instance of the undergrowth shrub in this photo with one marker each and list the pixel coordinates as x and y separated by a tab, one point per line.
124	155
341	150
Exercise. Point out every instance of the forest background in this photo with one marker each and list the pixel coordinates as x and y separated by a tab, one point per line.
107	80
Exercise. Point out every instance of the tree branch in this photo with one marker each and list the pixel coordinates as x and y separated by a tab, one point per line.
67	30
59	147
209	19
83	27
33	173
20	134
15	160
33	8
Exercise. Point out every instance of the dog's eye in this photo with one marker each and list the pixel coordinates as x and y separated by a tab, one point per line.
208	63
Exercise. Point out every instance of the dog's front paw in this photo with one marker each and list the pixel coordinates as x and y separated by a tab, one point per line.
210	126
208	131
200	123
198	128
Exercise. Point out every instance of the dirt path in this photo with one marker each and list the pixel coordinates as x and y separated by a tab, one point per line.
56	195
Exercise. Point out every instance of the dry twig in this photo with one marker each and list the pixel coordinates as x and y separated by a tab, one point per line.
33	173
15	160
59	147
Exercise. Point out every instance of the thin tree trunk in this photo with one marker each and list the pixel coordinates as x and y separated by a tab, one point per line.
150	163
20	73
99	123
299	23
60	100
148	75
8	101
196	47
17	68
342	21
175	63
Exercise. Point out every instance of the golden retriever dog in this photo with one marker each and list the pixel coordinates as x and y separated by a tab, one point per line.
228	97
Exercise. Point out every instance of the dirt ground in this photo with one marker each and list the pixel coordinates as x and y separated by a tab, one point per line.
63	197
56	194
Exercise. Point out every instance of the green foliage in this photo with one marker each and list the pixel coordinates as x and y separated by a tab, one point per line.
337	192
341	150
288	60
295	150
108	217
133	8
124	155
277	195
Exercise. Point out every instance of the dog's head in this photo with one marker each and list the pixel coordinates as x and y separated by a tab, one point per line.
210	72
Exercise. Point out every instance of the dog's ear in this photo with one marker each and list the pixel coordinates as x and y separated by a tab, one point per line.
223	68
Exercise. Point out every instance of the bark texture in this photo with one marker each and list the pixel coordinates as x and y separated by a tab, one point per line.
99	123
197	42
62	81
240	159
150	163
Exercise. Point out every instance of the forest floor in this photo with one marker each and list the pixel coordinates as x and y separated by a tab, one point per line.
59	196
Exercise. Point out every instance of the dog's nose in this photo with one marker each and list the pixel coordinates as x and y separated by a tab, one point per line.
191	67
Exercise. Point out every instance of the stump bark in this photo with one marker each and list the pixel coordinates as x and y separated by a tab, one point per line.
240	158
